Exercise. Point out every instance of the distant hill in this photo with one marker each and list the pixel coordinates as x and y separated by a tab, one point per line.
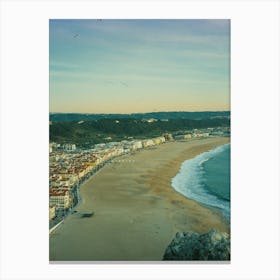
70	117
116	129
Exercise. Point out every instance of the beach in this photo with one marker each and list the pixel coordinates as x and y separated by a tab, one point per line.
136	211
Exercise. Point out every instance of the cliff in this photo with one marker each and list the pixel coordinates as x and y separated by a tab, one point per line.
211	246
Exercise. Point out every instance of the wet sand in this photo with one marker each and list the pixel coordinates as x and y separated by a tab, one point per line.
136	211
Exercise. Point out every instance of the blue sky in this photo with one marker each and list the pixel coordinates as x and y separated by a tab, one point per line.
124	66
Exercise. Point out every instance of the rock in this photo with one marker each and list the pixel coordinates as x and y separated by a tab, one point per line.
213	245
179	235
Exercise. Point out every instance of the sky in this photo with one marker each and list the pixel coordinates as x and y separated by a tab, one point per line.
136	66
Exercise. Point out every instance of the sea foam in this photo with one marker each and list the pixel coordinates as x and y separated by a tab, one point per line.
190	182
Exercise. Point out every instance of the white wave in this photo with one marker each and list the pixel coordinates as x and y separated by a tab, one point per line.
190	181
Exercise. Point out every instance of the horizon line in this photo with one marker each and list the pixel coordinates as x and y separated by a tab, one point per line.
139	112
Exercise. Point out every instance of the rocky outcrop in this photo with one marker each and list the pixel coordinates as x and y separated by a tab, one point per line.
211	246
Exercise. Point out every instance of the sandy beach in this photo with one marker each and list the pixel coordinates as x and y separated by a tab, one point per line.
136	211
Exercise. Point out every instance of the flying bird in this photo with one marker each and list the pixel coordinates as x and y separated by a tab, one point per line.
124	84
76	35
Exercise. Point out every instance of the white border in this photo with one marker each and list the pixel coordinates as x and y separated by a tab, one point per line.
255	138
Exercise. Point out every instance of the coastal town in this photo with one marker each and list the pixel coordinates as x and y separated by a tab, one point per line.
70	166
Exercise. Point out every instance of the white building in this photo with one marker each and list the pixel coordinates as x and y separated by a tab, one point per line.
158	140
188	136
137	145
51	212
148	143
60	199
69	147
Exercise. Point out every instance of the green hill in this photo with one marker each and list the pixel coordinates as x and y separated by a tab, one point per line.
69	117
92	132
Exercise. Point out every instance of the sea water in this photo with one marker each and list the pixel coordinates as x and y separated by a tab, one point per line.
206	179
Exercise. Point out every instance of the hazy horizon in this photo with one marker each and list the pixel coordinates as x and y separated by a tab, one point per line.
147	112
129	66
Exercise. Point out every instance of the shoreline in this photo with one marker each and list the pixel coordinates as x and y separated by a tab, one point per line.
177	187
137	211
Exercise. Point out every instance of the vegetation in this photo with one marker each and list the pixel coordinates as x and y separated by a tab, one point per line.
70	117
104	130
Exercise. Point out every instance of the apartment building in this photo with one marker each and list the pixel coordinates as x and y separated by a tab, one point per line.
61	199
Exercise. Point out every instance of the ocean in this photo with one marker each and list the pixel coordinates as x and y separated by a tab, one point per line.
206	179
